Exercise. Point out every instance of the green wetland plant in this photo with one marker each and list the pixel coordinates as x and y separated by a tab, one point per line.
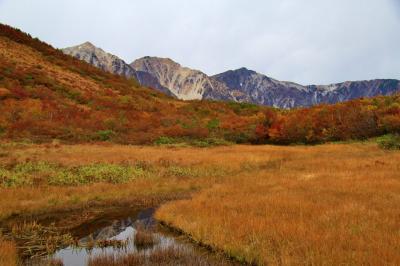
38	173
163	140
389	142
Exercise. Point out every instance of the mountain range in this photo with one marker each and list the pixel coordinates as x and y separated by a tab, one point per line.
241	85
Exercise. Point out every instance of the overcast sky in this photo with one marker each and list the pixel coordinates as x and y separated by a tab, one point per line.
306	41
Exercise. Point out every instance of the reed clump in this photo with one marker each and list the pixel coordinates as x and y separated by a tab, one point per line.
168	256
145	239
35	240
8	252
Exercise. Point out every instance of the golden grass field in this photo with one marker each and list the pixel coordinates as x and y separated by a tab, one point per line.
8	253
316	205
322	205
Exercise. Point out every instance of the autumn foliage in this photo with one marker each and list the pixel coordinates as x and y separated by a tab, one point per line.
47	95
353	120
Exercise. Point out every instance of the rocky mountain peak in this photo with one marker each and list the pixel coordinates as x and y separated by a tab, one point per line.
87	45
148	62
236	79
183	82
244	71
101	59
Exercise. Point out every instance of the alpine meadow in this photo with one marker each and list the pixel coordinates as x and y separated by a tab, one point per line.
104	162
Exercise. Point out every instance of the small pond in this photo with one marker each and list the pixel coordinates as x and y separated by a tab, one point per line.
125	234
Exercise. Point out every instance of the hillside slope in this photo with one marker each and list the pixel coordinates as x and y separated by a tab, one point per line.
46	94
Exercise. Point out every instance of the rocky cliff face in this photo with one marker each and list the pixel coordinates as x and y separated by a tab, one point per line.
148	80
113	64
99	58
241	85
354	89
183	82
261	89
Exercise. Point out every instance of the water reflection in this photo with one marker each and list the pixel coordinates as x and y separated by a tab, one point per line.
121	230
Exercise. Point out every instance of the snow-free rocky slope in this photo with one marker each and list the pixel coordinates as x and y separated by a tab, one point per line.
111	63
241	85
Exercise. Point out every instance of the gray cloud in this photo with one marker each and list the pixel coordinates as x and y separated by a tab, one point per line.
309	41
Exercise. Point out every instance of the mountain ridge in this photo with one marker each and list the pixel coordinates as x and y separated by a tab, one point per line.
240	85
183	82
99	58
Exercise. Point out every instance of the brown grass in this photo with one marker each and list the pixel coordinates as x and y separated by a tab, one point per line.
45	262
55	262
82	154
170	256
144	239
323	205
328	204
176	171
8	253
35	240
166	182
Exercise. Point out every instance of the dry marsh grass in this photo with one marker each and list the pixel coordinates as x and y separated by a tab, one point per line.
145	239
167	176
169	256
325	205
8	252
322	205
163	174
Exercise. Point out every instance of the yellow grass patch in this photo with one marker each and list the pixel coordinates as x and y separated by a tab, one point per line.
323	205
8	253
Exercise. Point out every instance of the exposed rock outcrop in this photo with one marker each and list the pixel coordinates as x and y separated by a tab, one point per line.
241	85
183	82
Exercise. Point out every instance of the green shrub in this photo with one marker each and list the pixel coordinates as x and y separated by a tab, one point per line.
210	142
96	173
104	135
194	172
25	174
163	140
389	142
32	173
2	130
242	108
9	179
213	124
238	137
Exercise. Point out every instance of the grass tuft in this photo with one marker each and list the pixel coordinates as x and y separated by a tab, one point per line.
8	252
169	256
389	142
145	239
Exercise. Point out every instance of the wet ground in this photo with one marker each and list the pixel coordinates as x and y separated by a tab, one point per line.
113	233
